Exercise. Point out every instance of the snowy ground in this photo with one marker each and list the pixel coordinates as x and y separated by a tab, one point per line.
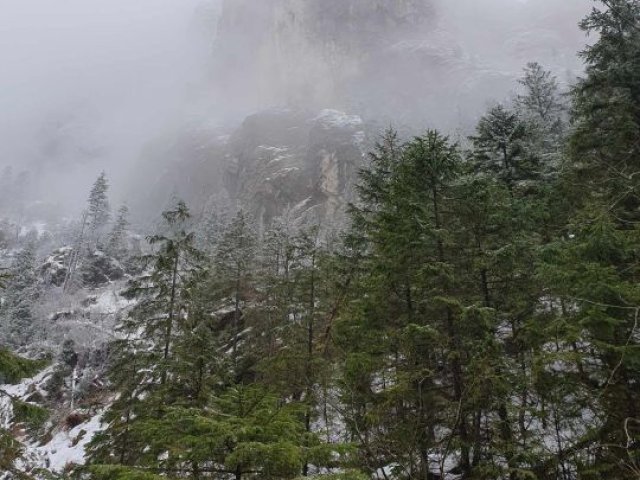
67	447
64	447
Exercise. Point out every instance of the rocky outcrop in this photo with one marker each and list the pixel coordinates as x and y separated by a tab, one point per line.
278	160
54	269
302	162
98	269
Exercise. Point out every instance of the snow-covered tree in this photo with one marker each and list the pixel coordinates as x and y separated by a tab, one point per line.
500	147
20	296
233	265
98	209
116	243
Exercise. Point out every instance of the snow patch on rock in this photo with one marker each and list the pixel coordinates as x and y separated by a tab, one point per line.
330	118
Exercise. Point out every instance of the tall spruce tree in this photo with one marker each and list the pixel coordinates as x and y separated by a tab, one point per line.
500	148
20	296
143	365
592	269
98	208
233	261
116	243
541	100
541	104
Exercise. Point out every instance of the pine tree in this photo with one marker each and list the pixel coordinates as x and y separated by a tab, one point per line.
211	225
500	148
233	262
6	188
295	307
144	364
161	293
116	244
20	296
591	269
246	432
87	238
541	100
541	106
98	208
188	404
403	332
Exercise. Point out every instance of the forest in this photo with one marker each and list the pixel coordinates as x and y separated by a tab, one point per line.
477	316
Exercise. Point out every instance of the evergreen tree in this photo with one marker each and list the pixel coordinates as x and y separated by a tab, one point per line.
116	243
244	433
541	105
213	220
541	100
233	262
188	406
143	364
6	188
20	296
295	310
591	269
98	210
403	332
500	148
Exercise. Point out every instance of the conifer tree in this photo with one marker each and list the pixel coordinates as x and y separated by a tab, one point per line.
500	148
162	293
541	100
541	105
590	269
13	369
296	309
233	262
98	209
116	244
404	317
6	188
192	409
143	362
20	296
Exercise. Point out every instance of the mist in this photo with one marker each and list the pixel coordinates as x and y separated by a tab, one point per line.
91	86
85	83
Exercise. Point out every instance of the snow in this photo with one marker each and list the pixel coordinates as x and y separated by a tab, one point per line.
336	119
69	447
6	412
39	227
282	173
65	446
21	389
110	302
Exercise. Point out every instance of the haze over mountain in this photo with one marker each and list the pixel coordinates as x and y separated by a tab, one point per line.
90	85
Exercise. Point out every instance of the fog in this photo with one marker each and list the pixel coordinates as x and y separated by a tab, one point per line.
88	85
85	83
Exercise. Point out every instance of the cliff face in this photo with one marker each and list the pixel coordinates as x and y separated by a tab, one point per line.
421	62
306	52
297	162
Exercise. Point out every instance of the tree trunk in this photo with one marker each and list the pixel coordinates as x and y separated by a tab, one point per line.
170	318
